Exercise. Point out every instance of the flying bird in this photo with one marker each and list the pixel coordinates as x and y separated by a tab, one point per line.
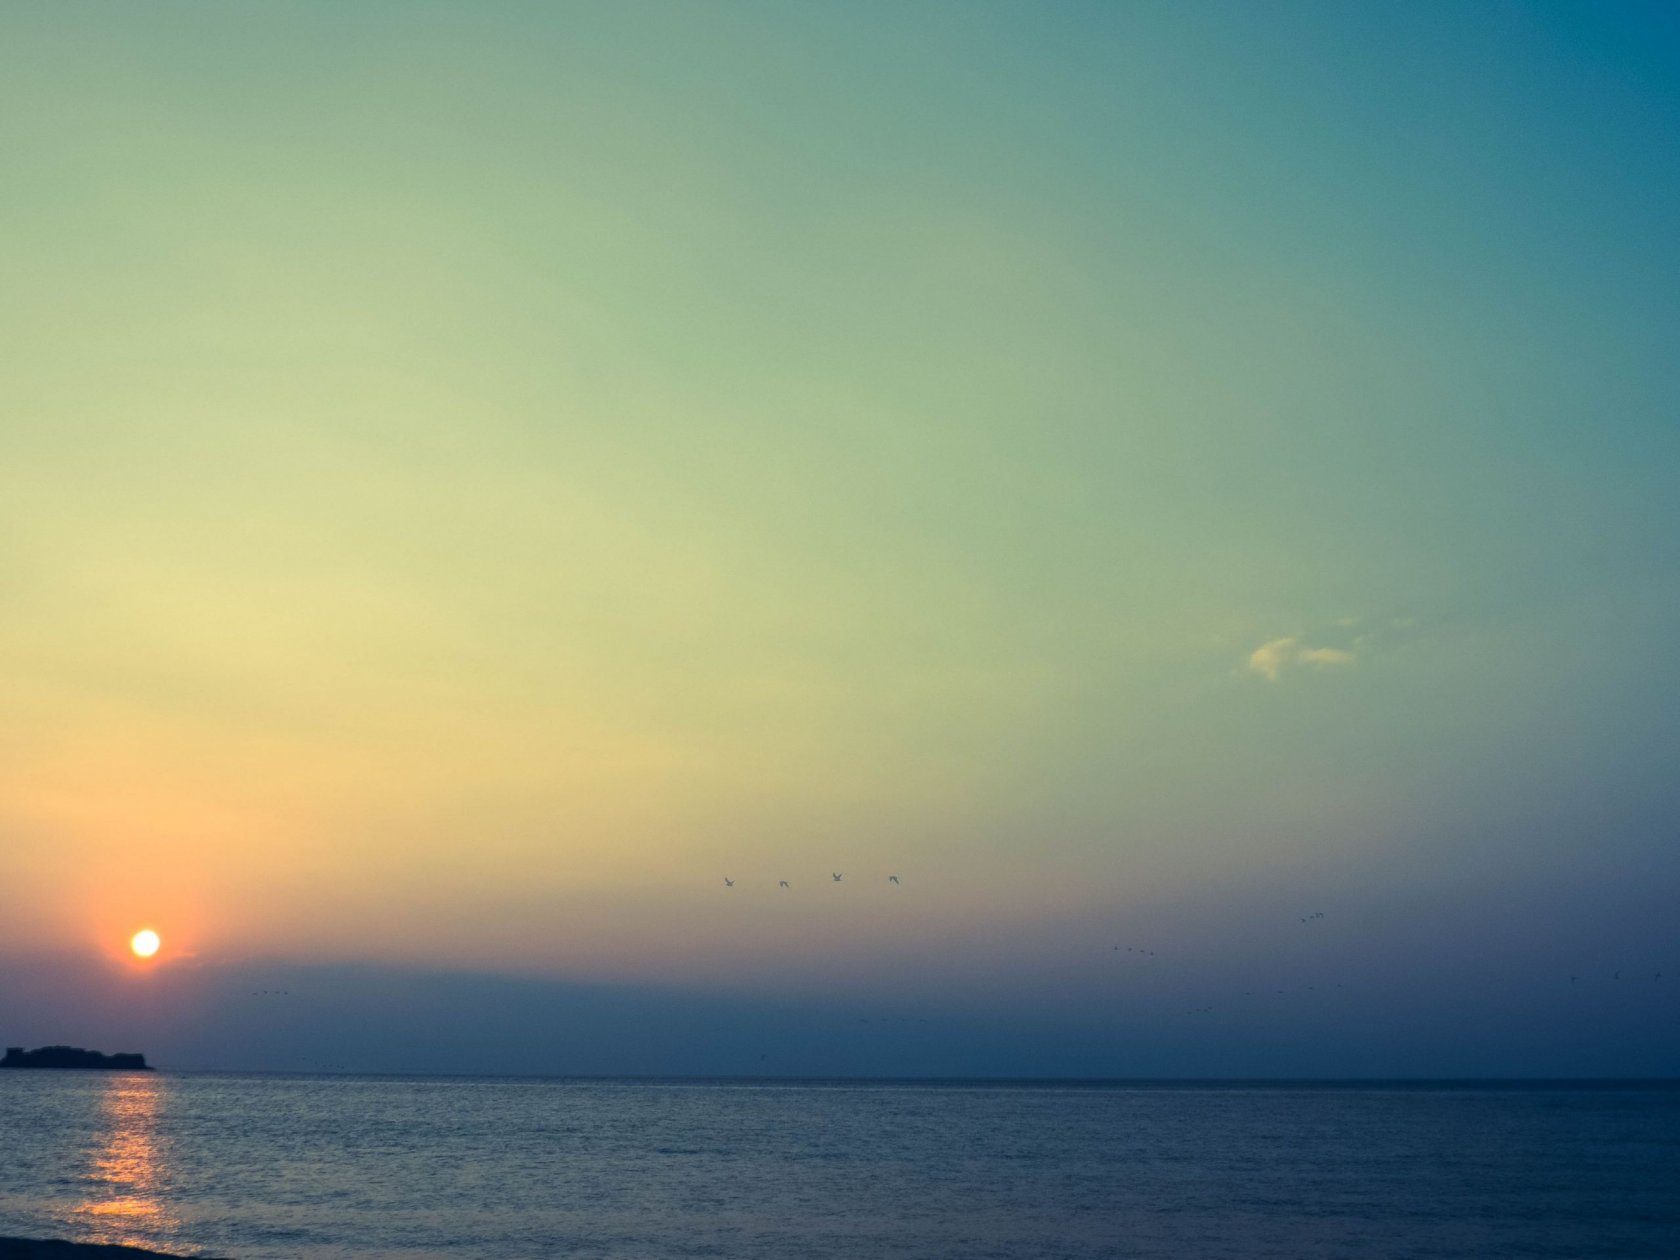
837	876
784	883
727	882
892	879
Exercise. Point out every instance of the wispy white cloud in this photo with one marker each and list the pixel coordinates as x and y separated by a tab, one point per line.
1270	660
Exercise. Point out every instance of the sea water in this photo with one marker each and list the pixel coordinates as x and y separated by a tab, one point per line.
303	1167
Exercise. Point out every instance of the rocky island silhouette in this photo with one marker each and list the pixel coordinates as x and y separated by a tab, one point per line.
72	1057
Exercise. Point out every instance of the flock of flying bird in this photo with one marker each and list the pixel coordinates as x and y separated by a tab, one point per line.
834	876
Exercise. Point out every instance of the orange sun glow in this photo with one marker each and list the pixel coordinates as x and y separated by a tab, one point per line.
145	943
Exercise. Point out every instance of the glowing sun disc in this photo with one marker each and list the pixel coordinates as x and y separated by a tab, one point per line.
145	943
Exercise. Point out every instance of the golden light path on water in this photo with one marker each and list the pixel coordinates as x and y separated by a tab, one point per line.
128	1172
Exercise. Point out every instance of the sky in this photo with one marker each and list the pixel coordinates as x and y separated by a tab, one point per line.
475	477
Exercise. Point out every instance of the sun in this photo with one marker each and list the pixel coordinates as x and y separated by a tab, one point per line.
145	943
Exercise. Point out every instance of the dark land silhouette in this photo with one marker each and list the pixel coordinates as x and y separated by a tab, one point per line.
55	1249
72	1057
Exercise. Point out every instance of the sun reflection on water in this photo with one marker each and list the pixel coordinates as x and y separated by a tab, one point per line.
127	1175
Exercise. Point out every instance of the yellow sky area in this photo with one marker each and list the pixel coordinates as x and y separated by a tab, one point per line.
462	822
506	839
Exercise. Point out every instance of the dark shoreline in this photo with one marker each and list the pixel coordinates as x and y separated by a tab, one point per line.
58	1249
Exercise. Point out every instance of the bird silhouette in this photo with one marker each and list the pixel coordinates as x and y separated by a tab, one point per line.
837	876
727	882
892	879
784	883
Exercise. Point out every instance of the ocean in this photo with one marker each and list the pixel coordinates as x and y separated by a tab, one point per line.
309	1167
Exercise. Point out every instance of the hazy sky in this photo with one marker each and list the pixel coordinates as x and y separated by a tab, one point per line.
473	476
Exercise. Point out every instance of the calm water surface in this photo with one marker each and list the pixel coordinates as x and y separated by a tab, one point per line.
259	1167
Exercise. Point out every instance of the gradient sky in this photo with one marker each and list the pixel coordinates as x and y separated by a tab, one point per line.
474	476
